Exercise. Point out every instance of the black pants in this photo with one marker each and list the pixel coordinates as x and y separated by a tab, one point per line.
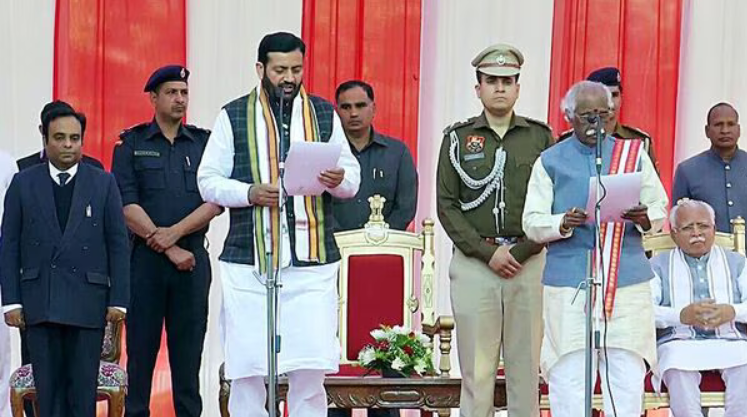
162	293
372	412
28	405
66	368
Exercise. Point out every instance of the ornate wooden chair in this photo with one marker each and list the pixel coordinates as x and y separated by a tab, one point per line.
711	386
112	381
378	284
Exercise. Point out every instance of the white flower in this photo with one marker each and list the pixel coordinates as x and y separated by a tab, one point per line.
378	334
424	340
398	364
366	356
400	330
420	366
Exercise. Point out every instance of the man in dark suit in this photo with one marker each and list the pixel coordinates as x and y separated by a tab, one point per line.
64	266
41	157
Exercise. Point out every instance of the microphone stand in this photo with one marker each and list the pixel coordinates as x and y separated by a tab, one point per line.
594	280
273	281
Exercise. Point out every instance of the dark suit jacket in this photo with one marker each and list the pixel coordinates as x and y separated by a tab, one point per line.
68	278
36	159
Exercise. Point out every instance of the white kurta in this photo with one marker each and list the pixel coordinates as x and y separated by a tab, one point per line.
8	168
308	299
698	354
632	324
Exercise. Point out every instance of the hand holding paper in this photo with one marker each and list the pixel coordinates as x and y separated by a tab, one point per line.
622	200
304	164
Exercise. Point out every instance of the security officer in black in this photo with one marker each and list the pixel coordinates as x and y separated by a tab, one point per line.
155	165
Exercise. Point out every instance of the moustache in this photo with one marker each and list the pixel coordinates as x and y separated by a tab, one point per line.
591	131
697	239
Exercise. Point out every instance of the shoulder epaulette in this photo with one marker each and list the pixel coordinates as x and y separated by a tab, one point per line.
538	122
123	134
637	131
457	125
197	129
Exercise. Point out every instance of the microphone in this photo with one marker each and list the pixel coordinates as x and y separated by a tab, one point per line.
595	121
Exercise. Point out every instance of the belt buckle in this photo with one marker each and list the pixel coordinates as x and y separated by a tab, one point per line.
501	241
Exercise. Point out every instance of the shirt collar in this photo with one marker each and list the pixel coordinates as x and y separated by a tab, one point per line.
693	261
54	172
718	158
516	120
154	129
377	138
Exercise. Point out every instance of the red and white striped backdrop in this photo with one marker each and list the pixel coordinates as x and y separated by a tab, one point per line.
678	57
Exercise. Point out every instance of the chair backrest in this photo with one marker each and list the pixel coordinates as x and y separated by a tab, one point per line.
735	241
111	349
377	280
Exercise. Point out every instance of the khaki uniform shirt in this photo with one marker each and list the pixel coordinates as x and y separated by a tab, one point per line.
523	142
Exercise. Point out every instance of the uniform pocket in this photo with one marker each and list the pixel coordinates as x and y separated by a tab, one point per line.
190	179
151	172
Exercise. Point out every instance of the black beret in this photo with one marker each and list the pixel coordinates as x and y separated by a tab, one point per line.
609	76
165	74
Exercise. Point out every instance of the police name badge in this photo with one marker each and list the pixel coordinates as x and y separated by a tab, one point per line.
147	153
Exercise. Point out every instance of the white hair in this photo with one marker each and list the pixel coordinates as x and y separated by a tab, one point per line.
569	102
687	203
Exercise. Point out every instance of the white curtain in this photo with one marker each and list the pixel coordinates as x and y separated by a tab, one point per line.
26	45
452	34
712	61
222	41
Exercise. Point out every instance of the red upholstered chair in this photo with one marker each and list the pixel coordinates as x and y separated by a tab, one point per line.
711	386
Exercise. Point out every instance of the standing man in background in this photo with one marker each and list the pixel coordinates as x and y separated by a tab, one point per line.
483	170
386	164
156	166
716	176
7	170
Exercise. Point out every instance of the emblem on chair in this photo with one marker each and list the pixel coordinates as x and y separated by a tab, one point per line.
377	230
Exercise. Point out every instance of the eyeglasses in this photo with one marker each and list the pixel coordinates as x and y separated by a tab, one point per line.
604	115
691	228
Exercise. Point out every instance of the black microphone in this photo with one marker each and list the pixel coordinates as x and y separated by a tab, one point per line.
596	121
281	129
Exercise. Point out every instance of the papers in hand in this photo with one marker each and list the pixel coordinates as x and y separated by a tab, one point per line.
623	193
304	163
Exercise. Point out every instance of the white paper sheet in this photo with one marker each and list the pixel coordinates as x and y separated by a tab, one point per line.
304	163
623	193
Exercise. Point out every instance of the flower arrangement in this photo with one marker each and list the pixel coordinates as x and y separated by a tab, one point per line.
400	350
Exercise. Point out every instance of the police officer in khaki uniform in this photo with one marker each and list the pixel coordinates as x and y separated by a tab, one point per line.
610	76
483	171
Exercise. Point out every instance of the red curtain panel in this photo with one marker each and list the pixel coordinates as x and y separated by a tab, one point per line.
377	41
104	53
642	38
